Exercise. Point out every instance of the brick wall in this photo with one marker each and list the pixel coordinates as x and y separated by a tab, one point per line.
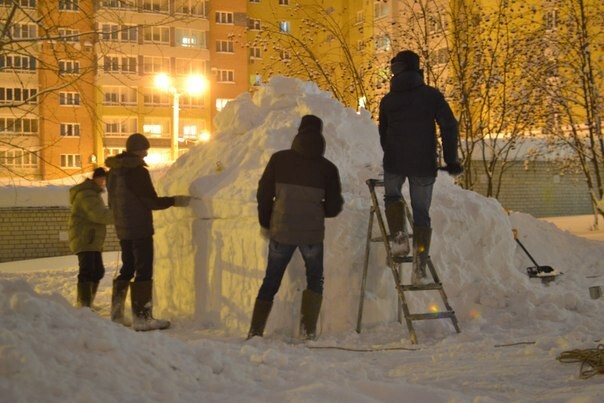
540	190
35	232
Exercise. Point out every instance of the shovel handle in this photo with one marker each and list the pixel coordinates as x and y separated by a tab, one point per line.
527	252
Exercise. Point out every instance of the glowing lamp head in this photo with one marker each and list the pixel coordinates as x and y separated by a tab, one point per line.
196	85
163	81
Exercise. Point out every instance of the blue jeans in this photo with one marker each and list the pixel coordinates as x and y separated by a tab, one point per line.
420	189
279	255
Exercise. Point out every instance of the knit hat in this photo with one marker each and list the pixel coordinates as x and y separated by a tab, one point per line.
309	141
137	142
310	122
404	61
99	173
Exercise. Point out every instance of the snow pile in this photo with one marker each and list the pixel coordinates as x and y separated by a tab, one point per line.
211	258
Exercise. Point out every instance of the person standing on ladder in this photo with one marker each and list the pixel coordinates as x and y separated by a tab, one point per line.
408	116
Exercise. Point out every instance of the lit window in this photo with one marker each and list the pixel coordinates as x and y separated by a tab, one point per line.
283	26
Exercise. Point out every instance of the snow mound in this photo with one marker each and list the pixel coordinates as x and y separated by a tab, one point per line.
210	258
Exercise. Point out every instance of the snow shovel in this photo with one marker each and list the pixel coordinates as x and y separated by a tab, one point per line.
545	273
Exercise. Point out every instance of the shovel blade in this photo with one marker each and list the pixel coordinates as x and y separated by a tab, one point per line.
541	271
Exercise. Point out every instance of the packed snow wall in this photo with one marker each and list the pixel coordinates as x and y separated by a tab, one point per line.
210	257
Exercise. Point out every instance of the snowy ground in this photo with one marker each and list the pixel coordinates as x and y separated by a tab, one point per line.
209	264
52	352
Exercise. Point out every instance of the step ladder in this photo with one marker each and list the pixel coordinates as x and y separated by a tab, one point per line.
396	265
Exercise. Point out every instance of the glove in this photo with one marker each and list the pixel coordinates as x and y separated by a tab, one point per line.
182	201
454	169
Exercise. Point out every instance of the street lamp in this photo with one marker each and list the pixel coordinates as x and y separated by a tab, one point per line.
194	85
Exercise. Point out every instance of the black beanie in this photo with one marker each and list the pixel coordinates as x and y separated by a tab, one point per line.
137	142
99	173
310	122
404	61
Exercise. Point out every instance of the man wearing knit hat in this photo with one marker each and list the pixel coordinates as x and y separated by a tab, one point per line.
132	198
408	116
297	191
87	229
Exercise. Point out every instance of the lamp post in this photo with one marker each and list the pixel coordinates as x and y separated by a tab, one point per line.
194	85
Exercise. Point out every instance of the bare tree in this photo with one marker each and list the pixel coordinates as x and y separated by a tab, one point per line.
49	63
322	51
491	60
573	39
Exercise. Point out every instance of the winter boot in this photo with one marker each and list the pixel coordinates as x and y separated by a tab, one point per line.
261	311
311	306
141	294
85	295
395	215
118	300
421	245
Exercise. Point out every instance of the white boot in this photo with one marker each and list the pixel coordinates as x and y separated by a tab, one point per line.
144	324
400	244
142	308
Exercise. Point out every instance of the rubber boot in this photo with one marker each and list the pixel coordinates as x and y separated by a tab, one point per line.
141	294
261	311
421	245
85	296
94	288
311	306
395	215
118	300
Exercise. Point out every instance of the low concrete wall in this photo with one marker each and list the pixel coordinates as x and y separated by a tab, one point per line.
36	232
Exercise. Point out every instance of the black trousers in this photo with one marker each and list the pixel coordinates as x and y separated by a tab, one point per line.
91	267
137	260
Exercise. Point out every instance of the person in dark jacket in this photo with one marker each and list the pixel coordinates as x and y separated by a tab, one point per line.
87	229
297	191
132	198
408	116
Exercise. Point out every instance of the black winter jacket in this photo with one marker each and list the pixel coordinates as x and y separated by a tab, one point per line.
132	196
298	189
407	126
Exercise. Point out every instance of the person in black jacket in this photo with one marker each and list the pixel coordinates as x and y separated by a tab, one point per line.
408	116
132	198
298	189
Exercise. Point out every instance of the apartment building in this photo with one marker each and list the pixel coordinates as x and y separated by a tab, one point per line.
77	77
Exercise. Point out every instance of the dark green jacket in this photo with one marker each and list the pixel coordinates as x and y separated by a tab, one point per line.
132	196
89	218
298	190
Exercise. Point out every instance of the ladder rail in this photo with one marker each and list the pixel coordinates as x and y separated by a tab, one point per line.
396	268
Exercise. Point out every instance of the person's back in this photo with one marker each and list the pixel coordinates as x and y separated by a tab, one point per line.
128	177
408	117
300	188
409	114
297	191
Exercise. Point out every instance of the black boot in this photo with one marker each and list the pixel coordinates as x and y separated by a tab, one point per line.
421	244
261	311
141	294
85	295
311	306
118	300
395	216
